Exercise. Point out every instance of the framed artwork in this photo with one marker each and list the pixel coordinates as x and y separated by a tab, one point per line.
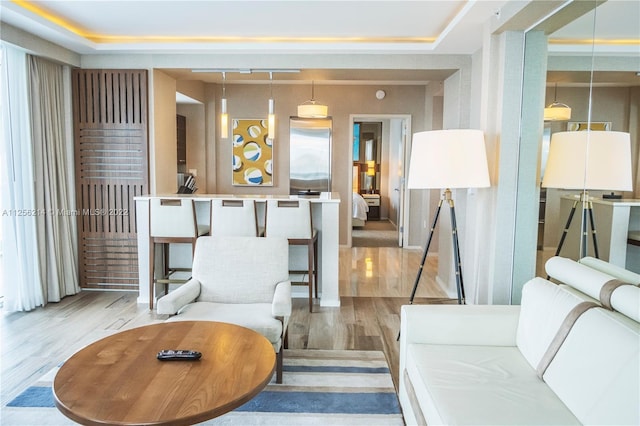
573	126
252	153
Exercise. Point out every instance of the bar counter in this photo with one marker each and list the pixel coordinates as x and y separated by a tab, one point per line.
324	213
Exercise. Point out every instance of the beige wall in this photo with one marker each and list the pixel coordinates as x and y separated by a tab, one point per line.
163	156
251	101
194	114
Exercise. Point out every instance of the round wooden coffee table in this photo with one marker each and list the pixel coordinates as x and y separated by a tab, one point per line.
119	381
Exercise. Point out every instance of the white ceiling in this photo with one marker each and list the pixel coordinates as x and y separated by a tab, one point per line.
263	27
442	26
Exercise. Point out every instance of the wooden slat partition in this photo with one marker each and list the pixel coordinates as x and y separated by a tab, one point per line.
111	160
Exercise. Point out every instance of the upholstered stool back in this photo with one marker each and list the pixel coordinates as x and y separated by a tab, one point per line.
232	217
171	221
292	219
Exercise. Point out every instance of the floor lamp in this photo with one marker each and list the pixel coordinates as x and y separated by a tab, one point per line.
588	160
447	159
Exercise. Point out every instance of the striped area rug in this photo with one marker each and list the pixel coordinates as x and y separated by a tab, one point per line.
320	387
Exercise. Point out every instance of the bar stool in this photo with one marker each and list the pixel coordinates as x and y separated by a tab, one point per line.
171	221
292	219
233	217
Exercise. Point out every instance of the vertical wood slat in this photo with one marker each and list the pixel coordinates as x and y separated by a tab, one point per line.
111	148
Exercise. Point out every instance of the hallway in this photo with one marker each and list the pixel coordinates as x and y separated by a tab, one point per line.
375	233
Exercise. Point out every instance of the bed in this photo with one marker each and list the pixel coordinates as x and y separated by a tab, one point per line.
360	209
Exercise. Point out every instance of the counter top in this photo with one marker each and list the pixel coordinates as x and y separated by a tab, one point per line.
607	201
324	197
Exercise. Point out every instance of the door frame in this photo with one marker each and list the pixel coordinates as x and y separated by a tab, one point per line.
405	201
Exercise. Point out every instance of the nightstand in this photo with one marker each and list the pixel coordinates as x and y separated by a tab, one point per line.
373	201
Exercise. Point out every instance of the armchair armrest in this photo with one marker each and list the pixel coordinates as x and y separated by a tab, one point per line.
487	325
282	300
171	303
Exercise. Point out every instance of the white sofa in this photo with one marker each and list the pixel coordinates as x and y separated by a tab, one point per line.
492	365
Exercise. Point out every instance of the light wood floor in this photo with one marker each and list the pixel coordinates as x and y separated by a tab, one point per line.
374	283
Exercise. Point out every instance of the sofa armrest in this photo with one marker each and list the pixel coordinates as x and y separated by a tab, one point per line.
282	300
485	325
171	303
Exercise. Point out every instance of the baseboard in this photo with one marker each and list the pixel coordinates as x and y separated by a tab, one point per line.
443	287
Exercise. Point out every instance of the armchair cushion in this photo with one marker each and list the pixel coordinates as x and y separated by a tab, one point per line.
256	316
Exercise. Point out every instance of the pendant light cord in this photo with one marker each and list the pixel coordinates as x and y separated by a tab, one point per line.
224	79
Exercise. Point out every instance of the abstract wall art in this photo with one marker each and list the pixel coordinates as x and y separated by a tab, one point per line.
252	153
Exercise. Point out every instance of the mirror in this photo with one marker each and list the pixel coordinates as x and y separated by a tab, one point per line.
310	155
367	152
597	93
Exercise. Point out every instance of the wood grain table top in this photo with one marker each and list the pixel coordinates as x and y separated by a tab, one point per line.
119	381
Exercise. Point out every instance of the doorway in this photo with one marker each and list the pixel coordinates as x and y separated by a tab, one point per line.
377	165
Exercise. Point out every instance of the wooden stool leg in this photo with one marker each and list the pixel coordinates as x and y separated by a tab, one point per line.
315	266
310	272
151	272
166	250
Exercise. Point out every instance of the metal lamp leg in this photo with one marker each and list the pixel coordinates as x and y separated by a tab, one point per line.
587	211
424	255
456	250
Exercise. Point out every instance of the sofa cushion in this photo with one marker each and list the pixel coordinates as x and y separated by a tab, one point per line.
596	371
611	269
622	297
481	385
581	277
626	300
544	307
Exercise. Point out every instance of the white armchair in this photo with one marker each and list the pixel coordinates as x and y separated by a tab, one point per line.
238	280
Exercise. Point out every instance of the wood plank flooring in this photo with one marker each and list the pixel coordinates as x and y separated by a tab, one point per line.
374	283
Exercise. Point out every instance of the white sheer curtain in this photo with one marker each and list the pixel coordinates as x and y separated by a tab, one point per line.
38	227
54	179
22	281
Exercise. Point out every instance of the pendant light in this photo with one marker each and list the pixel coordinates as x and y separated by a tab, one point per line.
271	121
311	109
224	117
557	111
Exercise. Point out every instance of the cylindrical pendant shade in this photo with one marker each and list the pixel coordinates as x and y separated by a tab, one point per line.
454	158
224	120
271	120
597	160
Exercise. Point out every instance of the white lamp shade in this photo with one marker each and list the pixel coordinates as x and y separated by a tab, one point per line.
557	112
312	111
454	158
597	160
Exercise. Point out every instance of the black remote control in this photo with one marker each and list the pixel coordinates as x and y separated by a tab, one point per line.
180	355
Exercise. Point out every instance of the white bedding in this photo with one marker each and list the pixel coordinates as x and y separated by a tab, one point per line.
360	207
